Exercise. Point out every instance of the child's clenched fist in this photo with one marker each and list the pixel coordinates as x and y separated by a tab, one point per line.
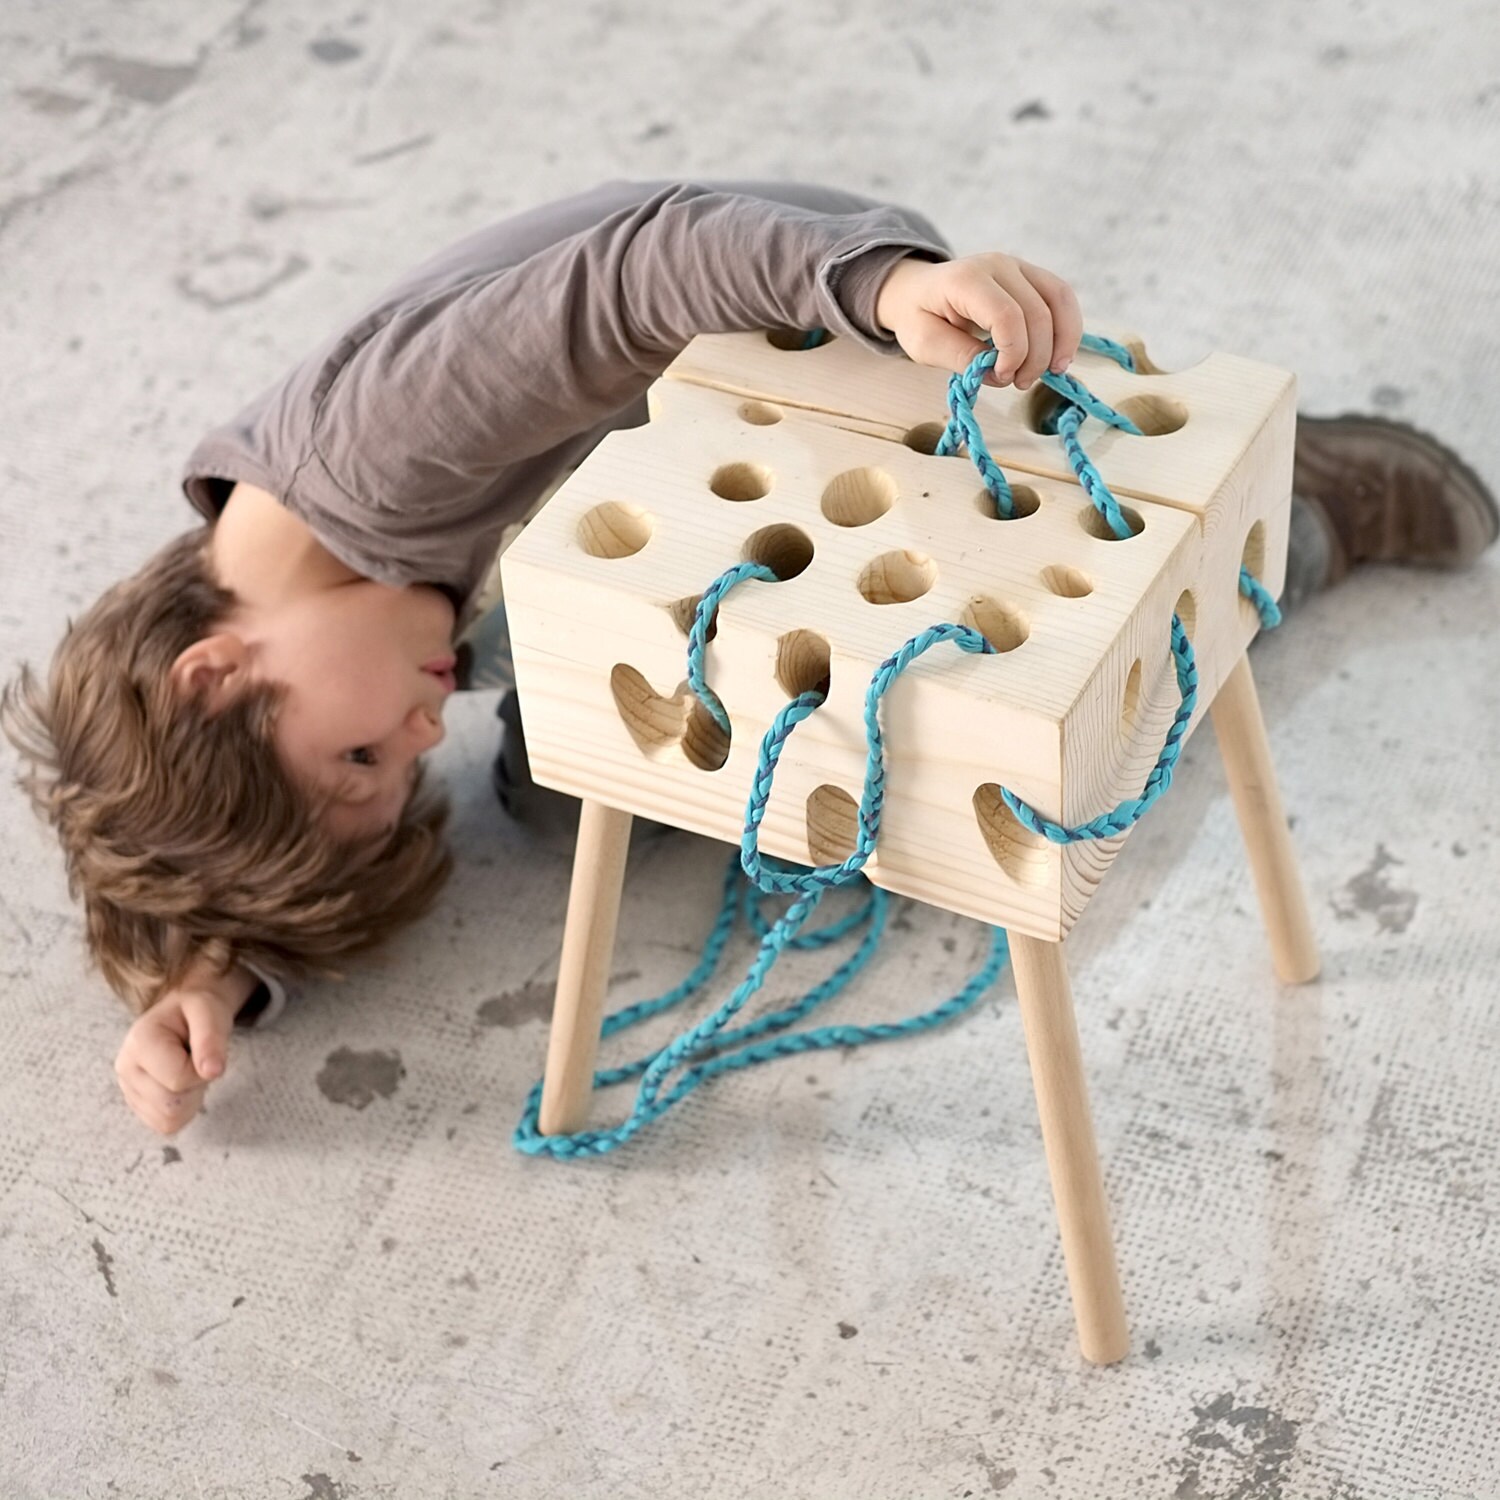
178	1047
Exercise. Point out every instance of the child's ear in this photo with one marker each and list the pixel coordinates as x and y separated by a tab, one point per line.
215	669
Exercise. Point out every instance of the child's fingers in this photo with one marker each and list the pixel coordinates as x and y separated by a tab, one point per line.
983	301
164	1110
947	347
1067	316
208	1033
160	1051
1038	316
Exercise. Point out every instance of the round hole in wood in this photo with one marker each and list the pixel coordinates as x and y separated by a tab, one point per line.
1144	364
798	340
614	529
785	550
1186	610
897	577
704	743
859	496
1130	702
760	413
741	482
832	825
802	663
1156	416
655	723
1254	555
1001	624
1042	409
1096	526
1067	582
925	436
1018	851
1024	499
683	610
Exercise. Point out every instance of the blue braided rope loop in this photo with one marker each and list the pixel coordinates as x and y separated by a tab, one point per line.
1129	812
768	874
703	619
1078	402
718	1050
1260	596
1096	343
712	1046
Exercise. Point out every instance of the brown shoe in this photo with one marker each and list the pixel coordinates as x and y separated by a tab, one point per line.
1391	494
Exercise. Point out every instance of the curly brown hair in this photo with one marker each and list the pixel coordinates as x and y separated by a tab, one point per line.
184	834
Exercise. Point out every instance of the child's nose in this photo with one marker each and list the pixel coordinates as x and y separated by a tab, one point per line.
425	728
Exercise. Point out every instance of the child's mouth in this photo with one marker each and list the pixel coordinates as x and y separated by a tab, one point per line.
442	667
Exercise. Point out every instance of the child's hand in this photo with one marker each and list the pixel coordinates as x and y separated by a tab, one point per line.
936	309
172	1052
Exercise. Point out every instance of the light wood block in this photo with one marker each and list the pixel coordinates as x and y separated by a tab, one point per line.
1071	718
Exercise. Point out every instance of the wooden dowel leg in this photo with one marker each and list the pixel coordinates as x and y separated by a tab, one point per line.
1241	733
583	971
1062	1101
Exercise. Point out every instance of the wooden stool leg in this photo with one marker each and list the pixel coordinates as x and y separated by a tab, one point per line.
1062	1101
583	972
1241	733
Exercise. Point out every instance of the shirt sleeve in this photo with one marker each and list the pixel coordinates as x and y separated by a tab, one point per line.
428	410
263	1004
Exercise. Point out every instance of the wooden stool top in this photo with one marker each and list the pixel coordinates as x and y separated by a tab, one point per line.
808	461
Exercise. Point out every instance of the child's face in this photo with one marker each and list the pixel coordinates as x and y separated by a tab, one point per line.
367	670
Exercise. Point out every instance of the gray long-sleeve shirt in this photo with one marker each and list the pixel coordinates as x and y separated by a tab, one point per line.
409	440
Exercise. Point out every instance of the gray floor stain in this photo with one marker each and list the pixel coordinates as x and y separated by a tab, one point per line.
334	49
999	1479
236	275
1236	1453
1370	893
51	101
105	1260
321	1487
532	1002
1378	1131
357	1078
50	189
135	78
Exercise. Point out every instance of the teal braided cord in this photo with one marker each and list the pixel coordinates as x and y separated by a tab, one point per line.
713	1047
710	1047
1096	343
1132	809
767	874
963	430
1079	402
703	619
963	426
1260	596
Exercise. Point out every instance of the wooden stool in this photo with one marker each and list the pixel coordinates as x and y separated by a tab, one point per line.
817	463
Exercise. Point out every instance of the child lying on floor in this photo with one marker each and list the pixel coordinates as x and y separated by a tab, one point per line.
229	742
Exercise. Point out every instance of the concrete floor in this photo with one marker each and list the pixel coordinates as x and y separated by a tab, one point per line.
828	1278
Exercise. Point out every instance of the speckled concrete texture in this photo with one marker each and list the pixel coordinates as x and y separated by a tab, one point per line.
827	1278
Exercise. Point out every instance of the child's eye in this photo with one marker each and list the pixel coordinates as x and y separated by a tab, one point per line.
361	755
